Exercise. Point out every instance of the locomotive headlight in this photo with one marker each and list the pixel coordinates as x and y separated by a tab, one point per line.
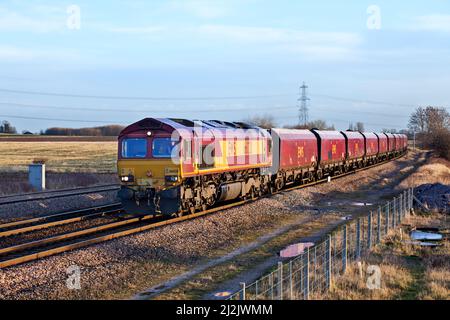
171	178
129	178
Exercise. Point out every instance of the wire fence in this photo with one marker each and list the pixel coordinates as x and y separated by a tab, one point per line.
311	273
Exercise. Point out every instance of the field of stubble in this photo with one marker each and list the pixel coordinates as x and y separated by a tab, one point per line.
86	156
68	164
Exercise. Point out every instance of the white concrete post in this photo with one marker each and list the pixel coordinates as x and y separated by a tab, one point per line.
36	176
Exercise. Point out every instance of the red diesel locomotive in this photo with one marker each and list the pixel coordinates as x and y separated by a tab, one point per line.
177	166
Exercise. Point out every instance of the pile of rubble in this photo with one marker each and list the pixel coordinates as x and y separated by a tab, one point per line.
434	197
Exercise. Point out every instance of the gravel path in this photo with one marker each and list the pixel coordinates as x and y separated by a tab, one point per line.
118	268
250	276
173	282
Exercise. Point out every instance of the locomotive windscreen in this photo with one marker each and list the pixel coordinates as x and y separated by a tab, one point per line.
162	147
134	148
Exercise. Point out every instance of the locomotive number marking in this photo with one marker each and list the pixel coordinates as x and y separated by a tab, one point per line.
300	152
333	149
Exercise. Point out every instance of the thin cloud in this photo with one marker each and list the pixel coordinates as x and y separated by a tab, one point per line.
205	9
12	21
20	54
135	30
329	45
432	22
264	34
13	53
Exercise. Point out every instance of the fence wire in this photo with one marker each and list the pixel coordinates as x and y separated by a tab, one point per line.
311	272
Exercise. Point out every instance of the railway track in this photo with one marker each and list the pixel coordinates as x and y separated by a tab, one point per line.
52	194
33	224
37	249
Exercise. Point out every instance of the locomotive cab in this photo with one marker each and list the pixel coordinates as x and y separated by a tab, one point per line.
148	168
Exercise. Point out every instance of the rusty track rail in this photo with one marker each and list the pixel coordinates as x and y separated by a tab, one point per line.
53	194
33	224
126	227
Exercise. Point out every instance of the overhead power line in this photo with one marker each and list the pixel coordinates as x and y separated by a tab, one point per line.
160	109
393	104
58	119
184	110
108	97
384	125
69	95
211	98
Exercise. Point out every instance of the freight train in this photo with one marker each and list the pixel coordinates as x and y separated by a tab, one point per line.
177	166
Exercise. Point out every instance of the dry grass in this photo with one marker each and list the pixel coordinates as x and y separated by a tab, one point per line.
408	272
436	170
97	157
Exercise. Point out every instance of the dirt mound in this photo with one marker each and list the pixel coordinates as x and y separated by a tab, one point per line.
434	196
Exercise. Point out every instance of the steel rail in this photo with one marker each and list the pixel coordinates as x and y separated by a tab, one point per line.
57	223
8	225
53	194
114	235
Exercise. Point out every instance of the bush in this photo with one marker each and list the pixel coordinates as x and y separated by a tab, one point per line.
440	141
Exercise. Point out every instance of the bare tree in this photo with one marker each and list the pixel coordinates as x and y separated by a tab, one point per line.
360	126
417	121
6	127
389	130
315	124
265	121
429	119
432	126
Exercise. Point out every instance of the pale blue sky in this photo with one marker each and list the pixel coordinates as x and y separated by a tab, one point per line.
233	48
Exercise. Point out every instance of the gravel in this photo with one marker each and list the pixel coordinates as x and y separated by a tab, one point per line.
435	197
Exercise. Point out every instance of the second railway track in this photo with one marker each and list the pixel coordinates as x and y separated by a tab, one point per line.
38	223
33	250
53	194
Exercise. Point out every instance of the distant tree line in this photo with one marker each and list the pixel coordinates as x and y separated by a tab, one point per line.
110	130
359	126
267	121
315	124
